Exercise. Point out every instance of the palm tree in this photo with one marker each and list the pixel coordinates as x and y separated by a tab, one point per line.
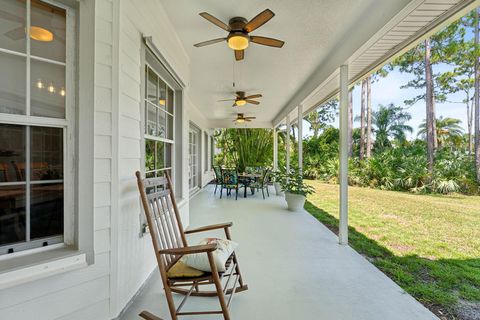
448	129
389	122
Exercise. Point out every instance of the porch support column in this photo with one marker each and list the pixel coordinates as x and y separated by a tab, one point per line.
275	149
287	143
300	139
343	228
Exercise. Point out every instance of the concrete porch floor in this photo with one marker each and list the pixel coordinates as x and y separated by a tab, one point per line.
293	265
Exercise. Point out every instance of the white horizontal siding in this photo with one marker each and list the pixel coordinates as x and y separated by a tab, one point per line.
83	293
59	303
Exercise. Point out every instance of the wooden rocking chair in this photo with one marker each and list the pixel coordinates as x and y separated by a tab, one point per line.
170	244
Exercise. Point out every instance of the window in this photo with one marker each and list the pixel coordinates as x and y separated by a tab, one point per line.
159	119
36	125
193	157
205	151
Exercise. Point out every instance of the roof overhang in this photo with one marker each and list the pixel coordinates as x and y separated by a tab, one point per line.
417	21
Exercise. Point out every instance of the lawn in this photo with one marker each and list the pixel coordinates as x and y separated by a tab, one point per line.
428	244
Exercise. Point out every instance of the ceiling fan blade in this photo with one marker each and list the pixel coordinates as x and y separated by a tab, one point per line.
247	120
252	101
267	41
234	105
225	100
16	34
11	17
259	20
250	118
253	96
239	54
215	21
206	43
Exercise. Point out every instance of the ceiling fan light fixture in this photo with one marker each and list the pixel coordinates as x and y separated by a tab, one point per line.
240	102
240	120
40	34
238	41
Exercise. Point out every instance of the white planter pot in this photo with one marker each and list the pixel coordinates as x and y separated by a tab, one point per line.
278	189
295	202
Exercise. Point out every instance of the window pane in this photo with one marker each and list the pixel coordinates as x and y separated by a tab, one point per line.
168	155
46	210
160	163
47	31
152	82
12	87
13	21
149	155
162	94
151	120
169	127
12	214
47	89
12	153
46	153
170	100
162	128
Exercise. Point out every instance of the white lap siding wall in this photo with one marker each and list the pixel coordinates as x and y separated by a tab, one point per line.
84	293
122	258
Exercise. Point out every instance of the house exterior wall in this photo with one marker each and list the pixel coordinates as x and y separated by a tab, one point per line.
123	258
83	293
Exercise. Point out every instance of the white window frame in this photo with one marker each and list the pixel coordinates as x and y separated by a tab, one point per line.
69	139
194	129
147	136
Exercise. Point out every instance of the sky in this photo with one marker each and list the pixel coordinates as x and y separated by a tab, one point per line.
388	90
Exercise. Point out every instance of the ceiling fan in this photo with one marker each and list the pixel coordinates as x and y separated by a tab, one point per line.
242	119
241	99
239	28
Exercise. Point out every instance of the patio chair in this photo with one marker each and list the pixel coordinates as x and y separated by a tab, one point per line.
230	182
170	244
218	178
262	184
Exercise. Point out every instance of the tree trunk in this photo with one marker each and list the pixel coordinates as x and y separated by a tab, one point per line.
469	125
369	117
350	123
430	108
477	96
362	121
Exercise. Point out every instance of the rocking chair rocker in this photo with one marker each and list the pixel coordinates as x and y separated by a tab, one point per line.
170	244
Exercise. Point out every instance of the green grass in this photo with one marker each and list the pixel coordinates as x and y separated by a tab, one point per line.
428	244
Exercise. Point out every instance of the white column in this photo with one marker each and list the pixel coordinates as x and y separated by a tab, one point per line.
300	139
275	149
343	228
287	143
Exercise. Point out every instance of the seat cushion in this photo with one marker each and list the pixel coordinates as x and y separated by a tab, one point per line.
181	270
200	261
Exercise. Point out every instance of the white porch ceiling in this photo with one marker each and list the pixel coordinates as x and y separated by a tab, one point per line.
319	36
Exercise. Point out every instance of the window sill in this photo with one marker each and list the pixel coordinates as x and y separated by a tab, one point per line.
28	267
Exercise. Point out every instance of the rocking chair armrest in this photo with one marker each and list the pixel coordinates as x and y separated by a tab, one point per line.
190	250
210	227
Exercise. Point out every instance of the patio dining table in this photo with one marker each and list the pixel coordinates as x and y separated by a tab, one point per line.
246	179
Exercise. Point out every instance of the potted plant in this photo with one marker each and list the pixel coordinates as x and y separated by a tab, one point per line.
277	177
295	189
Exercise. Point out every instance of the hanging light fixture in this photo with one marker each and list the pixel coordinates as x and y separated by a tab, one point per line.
40	34
40	84
240	102
238	41
62	92
51	88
